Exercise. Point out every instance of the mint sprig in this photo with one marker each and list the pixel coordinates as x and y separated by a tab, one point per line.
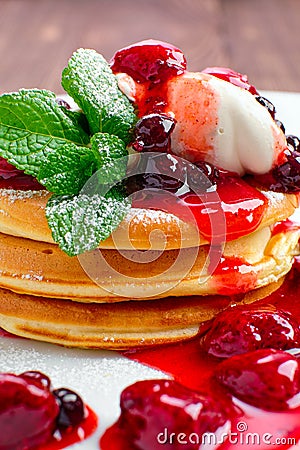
67	169
32	125
63	149
89	80
80	222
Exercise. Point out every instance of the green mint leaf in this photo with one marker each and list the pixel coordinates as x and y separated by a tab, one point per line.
33	124
80	222
66	169
111	153
90	81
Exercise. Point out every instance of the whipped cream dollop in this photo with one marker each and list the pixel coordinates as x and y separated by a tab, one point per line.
217	122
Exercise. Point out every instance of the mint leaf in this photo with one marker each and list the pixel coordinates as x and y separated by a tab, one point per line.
66	169
111	153
90	81
80	222
33	124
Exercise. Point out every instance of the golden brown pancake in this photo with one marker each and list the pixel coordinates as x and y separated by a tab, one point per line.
47	295
37	268
22	213
113	326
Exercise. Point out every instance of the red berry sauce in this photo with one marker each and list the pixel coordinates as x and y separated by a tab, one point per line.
150	63
264	378
32	418
233	210
73	435
12	178
232	77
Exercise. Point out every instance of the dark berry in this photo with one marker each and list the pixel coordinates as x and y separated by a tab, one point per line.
242	329
294	142
152	133
267	104
150	60
28	413
71	408
38	377
232	77
287	175
148	407
280	125
62	102
267	378
207	175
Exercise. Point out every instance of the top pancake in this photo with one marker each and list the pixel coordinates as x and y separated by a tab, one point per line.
22	213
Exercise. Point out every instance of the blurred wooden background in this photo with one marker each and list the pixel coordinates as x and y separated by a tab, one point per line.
257	37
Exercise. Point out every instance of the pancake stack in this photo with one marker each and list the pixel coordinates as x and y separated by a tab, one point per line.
113	297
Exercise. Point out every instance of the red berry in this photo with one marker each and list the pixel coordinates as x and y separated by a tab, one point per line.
153	132
267	378
233	77
242	329
38	377
28	413
149	60
152	410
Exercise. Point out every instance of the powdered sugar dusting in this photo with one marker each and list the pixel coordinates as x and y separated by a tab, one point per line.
13	195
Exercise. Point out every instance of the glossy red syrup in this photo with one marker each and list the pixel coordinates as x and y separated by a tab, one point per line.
12	178
241	275
151	64
235	209
73	435
188	364
286	225
232	77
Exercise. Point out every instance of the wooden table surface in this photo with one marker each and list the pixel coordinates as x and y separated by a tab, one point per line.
257	37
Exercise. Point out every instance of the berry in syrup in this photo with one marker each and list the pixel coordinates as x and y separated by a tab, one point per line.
267	104
280	125
293	142
241	329
287	175
71	408
153	133
232	77
12	178
28	413
267	378
152	408
149	61
38	377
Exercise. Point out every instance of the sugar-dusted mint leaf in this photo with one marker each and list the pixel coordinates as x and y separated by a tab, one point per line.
90	81
66	169
111	154
79	223
33	124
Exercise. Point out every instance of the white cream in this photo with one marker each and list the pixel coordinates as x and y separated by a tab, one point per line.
246	133
218	122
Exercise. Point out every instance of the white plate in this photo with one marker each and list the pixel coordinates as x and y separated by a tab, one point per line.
100	376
